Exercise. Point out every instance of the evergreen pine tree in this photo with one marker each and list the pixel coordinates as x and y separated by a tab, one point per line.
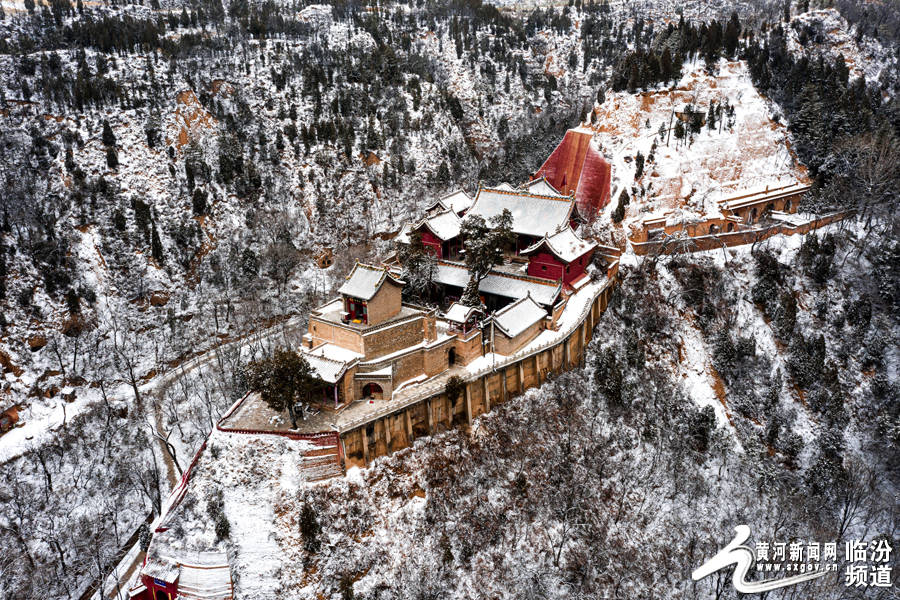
484	245
109	138
443	175
112	157
679	129
156	249
666	68
282	379
619	213
732	35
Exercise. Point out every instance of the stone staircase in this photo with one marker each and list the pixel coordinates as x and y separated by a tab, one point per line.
322	461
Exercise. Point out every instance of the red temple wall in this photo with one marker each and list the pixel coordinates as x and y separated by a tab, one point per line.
546	266
430	241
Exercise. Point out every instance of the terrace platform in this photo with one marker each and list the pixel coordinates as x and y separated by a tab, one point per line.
252	414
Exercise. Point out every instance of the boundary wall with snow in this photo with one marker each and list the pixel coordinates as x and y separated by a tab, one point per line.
674	245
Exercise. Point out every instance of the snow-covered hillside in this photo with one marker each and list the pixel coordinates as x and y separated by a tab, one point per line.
169	173
559	490
170	169
826	32
740	147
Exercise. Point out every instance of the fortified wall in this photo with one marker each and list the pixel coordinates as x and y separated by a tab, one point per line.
433	411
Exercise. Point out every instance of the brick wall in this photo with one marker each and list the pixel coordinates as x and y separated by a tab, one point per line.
711	226
360	381
346	384
737	238
323	331
505	345
393	338
385	304
469	349
436	413
556	313
409	366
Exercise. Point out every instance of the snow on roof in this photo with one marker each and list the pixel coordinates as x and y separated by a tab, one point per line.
335	352
791	218
208	579
500	284
445	225
387	371
565	244
457	201
580	281
683	216
328	370
518	316
770	192
505	187
459	313
516	287
205	583
333	304
162	569
403	236
533	214
541	186
364	281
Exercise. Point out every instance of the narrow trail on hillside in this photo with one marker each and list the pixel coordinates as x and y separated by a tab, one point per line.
155	390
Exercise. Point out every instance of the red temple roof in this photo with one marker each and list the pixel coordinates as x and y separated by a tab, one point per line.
576	166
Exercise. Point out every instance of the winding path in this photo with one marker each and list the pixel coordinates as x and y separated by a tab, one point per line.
155	389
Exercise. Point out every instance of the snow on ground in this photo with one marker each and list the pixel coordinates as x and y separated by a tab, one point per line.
262	488
254	474
696	371
40	421
747	150
693	368
827	32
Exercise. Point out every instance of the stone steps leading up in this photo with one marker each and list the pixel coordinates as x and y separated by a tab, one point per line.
321	463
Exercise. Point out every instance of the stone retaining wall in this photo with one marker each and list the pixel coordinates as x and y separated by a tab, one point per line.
435	412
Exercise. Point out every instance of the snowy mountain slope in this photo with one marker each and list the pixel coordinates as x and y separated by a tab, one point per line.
242	138
187	130
744	149
559	490
161	200
827	32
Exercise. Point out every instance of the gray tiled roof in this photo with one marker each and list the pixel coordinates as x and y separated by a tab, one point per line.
532	214
364	281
